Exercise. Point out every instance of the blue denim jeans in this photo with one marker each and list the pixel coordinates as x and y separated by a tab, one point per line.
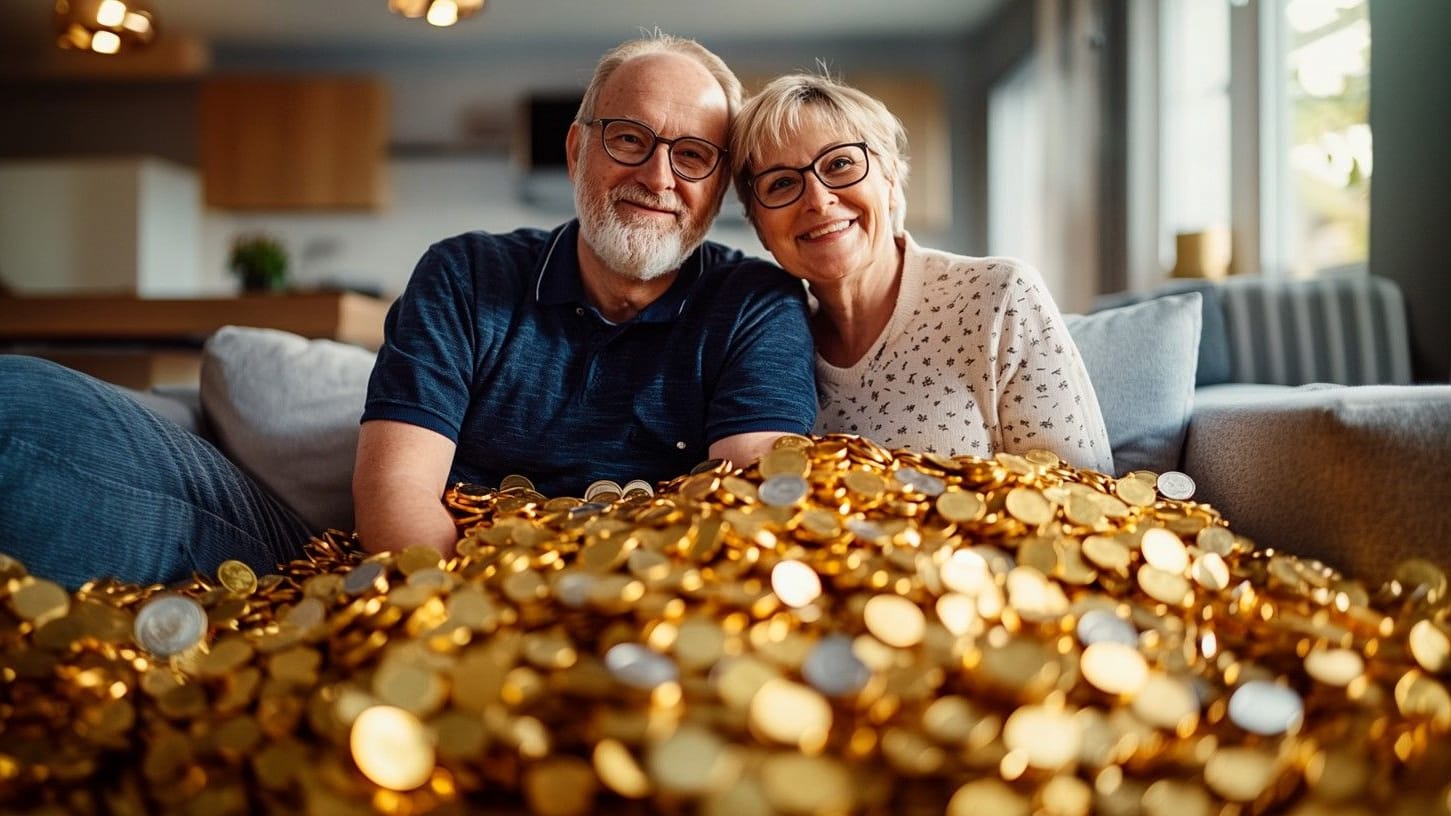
94	484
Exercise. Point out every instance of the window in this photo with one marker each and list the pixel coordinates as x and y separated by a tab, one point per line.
1263	128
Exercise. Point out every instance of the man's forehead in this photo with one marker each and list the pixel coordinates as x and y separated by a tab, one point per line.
668	88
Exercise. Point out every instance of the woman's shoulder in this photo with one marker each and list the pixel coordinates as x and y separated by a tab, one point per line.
996	275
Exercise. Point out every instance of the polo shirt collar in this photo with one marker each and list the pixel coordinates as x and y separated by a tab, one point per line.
559	280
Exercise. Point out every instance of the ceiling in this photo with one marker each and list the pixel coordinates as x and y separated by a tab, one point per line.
305	24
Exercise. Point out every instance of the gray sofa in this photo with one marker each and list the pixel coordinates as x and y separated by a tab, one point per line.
1288	403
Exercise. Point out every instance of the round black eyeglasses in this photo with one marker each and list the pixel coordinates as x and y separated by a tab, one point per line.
632	144
836	167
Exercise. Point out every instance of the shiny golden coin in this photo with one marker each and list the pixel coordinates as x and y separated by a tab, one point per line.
958	506
1135	492
1165	587
983	796
38	600
794	783
1048	738
1107	553
1043	458
1210	571
791	714
894	620
1163	550
864	484
560	786
1065	795
1215	539
514	481
392	748
1083	510
1240	774
784	462
237	577
795	583
821	524
1430	645
1334	667
1420	697
1114	667
793	441
618	770
693	761
1167	702
1029	506
410	686
416	558
1419	577
1173	797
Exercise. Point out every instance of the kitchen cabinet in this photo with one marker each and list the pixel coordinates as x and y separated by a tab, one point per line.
294	143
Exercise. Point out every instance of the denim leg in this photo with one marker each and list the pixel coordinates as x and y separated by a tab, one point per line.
94	484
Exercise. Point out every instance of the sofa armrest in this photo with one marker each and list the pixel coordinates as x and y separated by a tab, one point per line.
1356	476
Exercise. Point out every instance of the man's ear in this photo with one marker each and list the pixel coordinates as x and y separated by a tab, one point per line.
571	147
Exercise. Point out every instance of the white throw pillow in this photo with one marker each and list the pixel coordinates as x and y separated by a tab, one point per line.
1141	360
286	410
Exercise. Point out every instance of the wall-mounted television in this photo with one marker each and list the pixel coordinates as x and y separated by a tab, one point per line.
543	125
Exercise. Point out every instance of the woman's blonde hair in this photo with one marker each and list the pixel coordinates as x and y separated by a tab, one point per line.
789	103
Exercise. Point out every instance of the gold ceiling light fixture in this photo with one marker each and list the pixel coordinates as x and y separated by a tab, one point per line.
441	13
104	26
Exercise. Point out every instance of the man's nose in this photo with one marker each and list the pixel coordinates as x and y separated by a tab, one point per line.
655	173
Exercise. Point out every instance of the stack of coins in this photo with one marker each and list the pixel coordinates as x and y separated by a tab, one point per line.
837	628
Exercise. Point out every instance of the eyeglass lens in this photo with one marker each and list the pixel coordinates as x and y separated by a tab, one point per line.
837	167
632	143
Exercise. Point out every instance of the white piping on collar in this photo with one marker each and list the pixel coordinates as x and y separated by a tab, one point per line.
539	284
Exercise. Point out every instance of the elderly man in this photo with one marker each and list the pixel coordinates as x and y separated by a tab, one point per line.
619	346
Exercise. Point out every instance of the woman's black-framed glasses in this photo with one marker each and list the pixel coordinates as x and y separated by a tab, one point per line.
632	144
836	167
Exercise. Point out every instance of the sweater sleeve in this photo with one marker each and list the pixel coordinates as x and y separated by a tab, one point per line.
1045	399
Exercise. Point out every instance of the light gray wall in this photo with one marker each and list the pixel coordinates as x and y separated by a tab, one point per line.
1410	120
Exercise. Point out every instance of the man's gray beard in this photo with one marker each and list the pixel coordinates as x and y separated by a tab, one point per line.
639	251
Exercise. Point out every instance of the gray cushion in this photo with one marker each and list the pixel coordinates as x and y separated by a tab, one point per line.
1357	476
286	410
1214	359
1141	359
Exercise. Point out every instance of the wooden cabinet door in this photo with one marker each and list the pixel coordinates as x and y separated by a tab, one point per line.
279	143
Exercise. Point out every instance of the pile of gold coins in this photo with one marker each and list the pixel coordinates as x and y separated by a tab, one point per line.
836	629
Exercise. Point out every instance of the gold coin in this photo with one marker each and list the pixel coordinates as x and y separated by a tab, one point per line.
1420	697
237	577
958	506
392	748
1430	645
1167	702
38	600
1210	571
618	770
987	796
1240	774
1047	738
1135	492
795	583
793	441
514	481
1166	587
417	558
560	786
1114	667
1334	667
691	762
1418	576
784	462
1215	539
791	714
894	620
1107	553
1043	458
795	783
1029	506
1163	550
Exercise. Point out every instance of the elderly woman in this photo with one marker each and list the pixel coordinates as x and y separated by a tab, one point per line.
914	347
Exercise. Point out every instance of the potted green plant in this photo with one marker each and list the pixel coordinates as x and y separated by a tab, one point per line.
261	262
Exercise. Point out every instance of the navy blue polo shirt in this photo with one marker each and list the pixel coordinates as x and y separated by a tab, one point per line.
494	345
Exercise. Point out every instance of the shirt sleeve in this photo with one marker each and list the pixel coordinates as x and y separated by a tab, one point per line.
424	366
767	378
1046	399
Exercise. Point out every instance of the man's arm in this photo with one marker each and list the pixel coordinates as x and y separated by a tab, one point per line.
398	485
744	448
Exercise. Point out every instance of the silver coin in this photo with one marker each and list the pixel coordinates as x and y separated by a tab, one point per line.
308	613
601	487
921	482
170	624
432	577
1266	708
362	578
1103	626
1175	485
833	668
782	490
639	667
866	530
572	589
638	484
